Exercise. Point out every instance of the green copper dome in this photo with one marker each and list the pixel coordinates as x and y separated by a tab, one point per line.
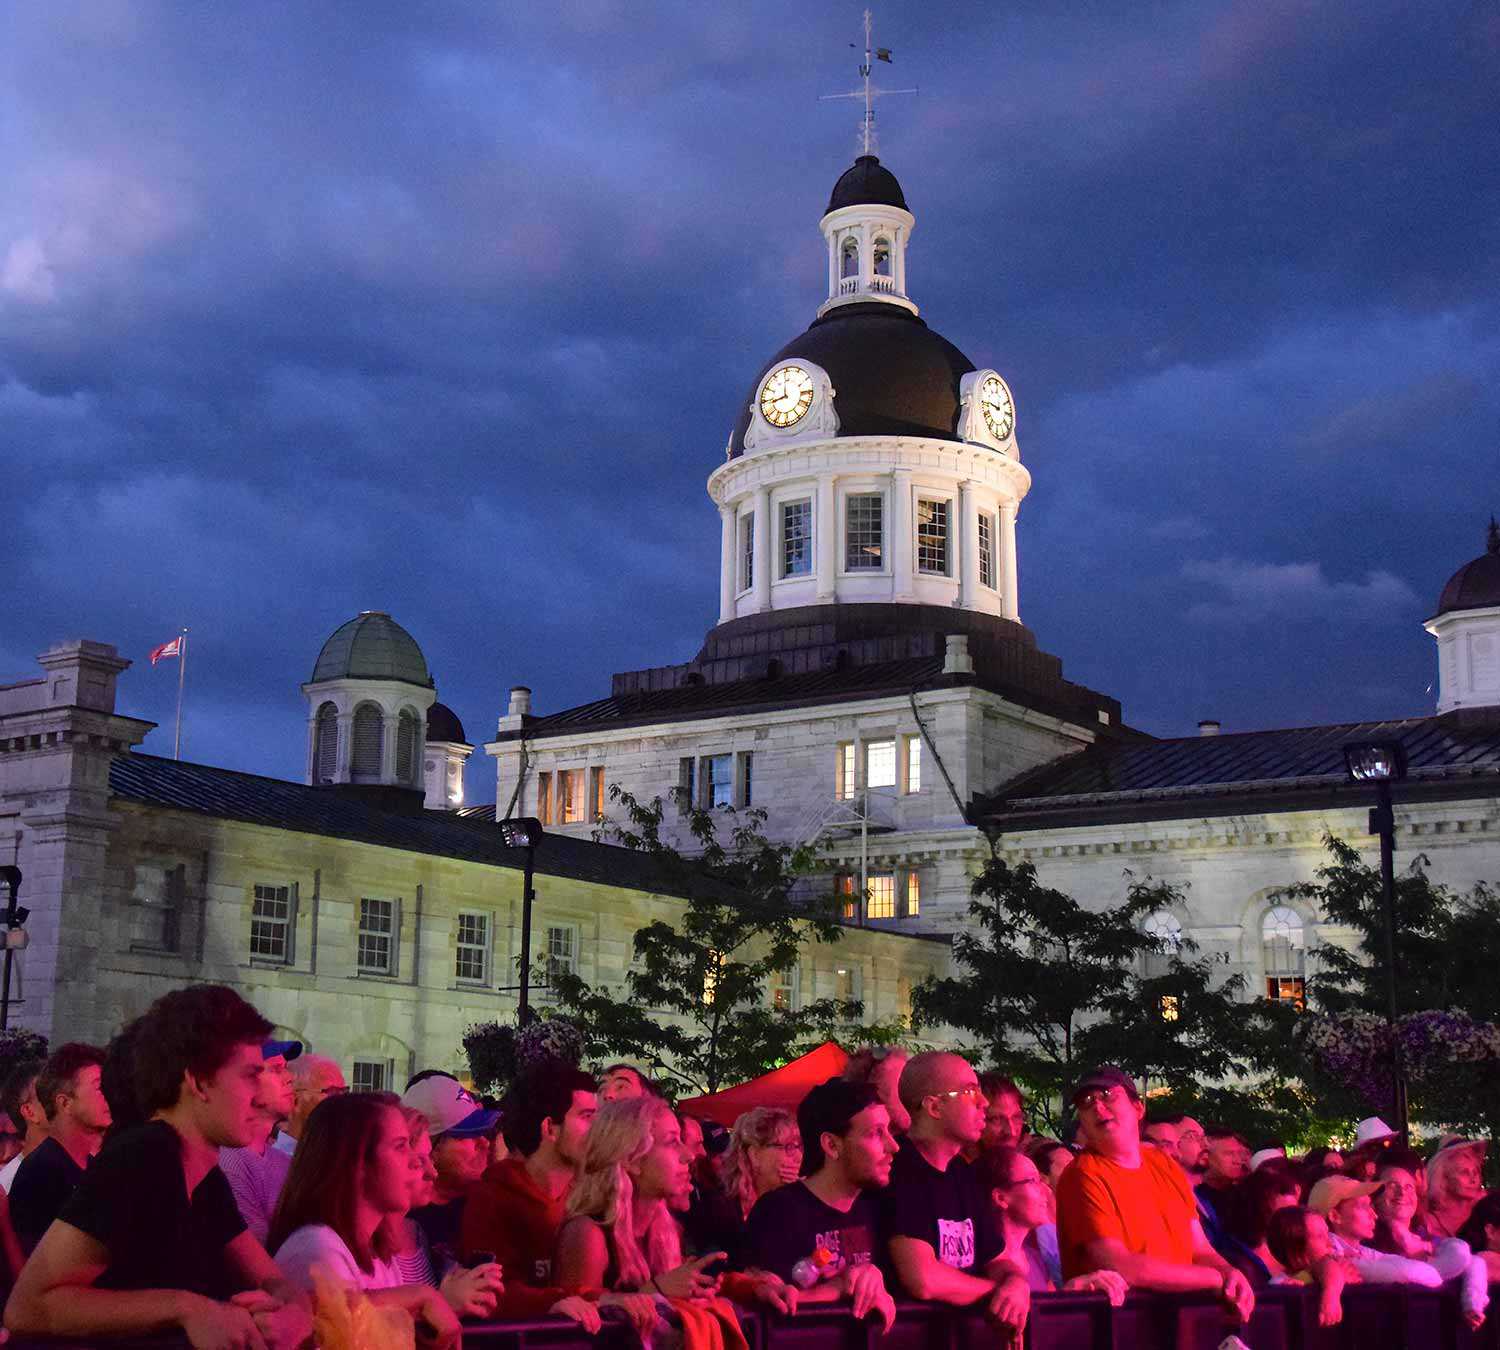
372	647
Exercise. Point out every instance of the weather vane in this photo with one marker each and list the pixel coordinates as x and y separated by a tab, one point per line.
869	92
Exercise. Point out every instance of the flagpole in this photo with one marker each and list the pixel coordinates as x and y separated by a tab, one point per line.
181	680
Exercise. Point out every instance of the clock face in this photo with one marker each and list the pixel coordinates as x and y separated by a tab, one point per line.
995	403
786	396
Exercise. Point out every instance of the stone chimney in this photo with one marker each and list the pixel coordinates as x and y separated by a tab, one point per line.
956	658
1208	727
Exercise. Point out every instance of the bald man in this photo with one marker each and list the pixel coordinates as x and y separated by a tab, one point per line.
314	1077
940	1239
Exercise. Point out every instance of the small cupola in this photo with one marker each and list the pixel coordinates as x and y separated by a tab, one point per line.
1467	629
866	227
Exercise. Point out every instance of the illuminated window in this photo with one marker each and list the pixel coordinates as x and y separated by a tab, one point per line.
882	257
784	990
375	952
843	777
711	976
796	539
843	885
471	961
864	532
880	763
1171	1010
932	536
544	798
570	800
747	550
987	550
913	764
913	895
596	793
1284	953
881	903
849	262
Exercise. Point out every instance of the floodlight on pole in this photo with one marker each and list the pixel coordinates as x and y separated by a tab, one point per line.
524	832
1383	763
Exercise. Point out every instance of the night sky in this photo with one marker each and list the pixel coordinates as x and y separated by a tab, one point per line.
446	309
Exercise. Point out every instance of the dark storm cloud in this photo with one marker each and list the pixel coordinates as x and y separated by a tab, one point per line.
447	310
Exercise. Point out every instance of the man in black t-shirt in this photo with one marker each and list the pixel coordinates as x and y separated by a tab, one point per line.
939	1233
77	1116
151	1239
820	1234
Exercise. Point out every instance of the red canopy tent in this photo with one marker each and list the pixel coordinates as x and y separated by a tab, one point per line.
784	1087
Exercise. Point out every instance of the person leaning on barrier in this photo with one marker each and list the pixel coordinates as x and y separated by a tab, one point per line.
939	1234
820	1233
1399	1228
1128	1208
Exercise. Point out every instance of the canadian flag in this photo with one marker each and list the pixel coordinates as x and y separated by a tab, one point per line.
172	648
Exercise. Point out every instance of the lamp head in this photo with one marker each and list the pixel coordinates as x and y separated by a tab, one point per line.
1375	761
521	831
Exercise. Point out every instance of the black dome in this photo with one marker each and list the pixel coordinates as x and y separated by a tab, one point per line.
892	375
1476	585
443	725
866	183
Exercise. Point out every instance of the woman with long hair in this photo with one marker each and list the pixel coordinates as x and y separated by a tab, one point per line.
1455	1181
341	1208
470	1291
1270	1187
764	1153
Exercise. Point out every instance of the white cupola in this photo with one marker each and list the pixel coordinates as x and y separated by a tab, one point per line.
446	754
1467	629
866	227
367	706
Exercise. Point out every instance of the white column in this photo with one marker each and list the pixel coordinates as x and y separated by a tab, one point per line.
966	538
899	535
866	259
389	721
898	247
726	563
833	263
345	757
1010	605
826	539
762	563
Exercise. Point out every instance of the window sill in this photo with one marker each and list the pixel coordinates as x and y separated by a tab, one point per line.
153	949
268	963
380	976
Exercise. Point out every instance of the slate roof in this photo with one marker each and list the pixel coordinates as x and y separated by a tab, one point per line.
1288	769
867	182
228	795
372	646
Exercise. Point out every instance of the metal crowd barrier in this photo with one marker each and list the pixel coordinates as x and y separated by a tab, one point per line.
1376	1317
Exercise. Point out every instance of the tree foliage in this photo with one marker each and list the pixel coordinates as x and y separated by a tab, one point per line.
748	914
1048	987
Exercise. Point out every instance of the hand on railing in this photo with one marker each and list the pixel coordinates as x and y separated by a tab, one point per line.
579	1310
473	1292
865	1286
1238	1294
772	1290
221	1326
1010	1303
639	1308
1109	1282
688	1279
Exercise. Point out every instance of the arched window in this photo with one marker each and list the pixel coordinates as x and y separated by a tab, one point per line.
1284	951
326	744
364	763
849	264
882	257
1165	927
406	746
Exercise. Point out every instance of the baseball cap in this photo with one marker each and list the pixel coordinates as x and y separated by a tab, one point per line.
1371	1130
1331	1191
288	1050
451	1109
1265	1155
1105	1076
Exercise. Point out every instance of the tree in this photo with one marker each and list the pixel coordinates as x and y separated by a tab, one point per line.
1049	988
748	914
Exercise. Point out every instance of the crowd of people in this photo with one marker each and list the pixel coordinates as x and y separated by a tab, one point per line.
200	1174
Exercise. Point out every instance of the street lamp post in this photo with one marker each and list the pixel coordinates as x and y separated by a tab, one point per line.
15	936
524	832
1383	763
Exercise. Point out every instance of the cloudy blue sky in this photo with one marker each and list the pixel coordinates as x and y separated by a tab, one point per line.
445	309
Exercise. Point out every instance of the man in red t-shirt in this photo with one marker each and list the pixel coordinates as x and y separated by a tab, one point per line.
1129	1209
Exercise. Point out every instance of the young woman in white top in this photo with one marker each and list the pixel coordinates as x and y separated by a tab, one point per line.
347	1192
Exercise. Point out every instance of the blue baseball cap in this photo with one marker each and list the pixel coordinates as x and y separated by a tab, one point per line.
288	1050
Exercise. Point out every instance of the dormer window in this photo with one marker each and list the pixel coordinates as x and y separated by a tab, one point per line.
882	257
850	264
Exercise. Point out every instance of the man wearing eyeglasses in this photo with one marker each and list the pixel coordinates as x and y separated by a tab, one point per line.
1130	1209
940	1238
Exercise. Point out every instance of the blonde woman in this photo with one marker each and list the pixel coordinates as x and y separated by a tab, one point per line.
620	1236
764	1153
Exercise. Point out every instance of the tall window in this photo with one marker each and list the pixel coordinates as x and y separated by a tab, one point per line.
158	906
843	774
913	764
881	903
406	746
596	793
326	744
847	985
471	963
562	950
784	990
849	258
687	782
368	731
371	1075
864	532
375	953
747	550
932	536
570	802
913	894
796	539
844	886
747	778
987	550
1284	951
271	923
880	764
1165	927
718	780
544	798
